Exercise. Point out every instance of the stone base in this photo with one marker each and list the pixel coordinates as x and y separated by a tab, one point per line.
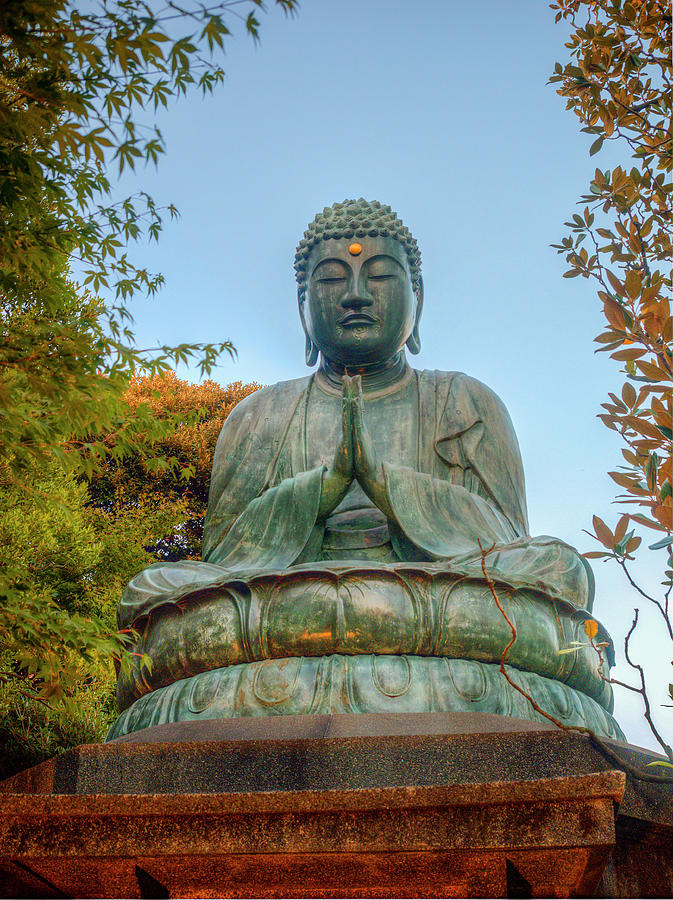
337	806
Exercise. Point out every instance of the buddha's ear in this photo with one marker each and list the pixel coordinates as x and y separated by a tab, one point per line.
311	349
311	352
414	339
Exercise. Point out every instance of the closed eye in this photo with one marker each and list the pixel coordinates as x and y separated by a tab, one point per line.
336	279
380	277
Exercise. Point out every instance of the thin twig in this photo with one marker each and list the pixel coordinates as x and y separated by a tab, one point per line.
580	729
642	593
667	749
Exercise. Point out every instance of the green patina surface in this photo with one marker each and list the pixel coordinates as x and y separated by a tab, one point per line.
343	540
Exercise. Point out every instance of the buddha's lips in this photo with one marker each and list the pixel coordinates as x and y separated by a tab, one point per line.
357	319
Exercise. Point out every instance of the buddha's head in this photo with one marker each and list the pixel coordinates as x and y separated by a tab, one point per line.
359	284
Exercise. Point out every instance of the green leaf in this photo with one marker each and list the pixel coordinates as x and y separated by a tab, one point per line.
596	146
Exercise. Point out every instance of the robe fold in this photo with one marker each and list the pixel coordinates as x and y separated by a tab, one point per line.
453	478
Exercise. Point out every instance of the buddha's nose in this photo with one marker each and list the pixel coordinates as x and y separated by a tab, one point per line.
356	300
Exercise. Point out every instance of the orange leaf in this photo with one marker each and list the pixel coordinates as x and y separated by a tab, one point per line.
609	337
649	523
629	394
661	416
627	354
620	530
616	284
652	371
591	628
603	533
642	446
614	314
642	426
650	293
663	515
623	480
653	325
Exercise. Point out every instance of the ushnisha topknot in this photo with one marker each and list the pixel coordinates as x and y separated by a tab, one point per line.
356	218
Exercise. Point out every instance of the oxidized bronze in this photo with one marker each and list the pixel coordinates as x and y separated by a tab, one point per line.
343	540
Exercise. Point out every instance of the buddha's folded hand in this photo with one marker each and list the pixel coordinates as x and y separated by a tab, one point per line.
338	478
368	470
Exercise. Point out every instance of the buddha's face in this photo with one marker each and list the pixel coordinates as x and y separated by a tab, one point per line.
359	307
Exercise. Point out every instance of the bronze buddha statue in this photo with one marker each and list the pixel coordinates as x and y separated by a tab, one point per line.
347	515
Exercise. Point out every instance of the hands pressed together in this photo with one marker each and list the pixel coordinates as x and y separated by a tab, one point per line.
355	458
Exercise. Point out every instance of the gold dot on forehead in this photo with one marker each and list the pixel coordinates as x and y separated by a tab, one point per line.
355	249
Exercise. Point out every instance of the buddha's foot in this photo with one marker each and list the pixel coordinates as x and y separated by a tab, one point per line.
362	684
393	610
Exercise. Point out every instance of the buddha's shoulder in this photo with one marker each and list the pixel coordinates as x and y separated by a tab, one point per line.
273	401
455	383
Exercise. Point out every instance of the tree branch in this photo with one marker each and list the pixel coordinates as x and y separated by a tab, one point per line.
643	691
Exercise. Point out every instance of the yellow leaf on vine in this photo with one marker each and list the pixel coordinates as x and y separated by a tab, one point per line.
591	628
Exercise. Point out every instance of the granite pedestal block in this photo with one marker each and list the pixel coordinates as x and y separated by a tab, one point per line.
337	806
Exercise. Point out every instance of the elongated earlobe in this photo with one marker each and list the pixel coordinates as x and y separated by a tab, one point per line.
414	341
311	352
311	349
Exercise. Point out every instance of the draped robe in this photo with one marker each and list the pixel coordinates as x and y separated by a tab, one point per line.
453	478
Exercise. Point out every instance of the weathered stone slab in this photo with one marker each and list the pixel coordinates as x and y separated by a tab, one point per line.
346	841
337	806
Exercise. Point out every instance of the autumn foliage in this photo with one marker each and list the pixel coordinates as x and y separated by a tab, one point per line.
617	81
198	411
176	473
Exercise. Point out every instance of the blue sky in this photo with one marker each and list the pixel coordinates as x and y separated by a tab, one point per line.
441	109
